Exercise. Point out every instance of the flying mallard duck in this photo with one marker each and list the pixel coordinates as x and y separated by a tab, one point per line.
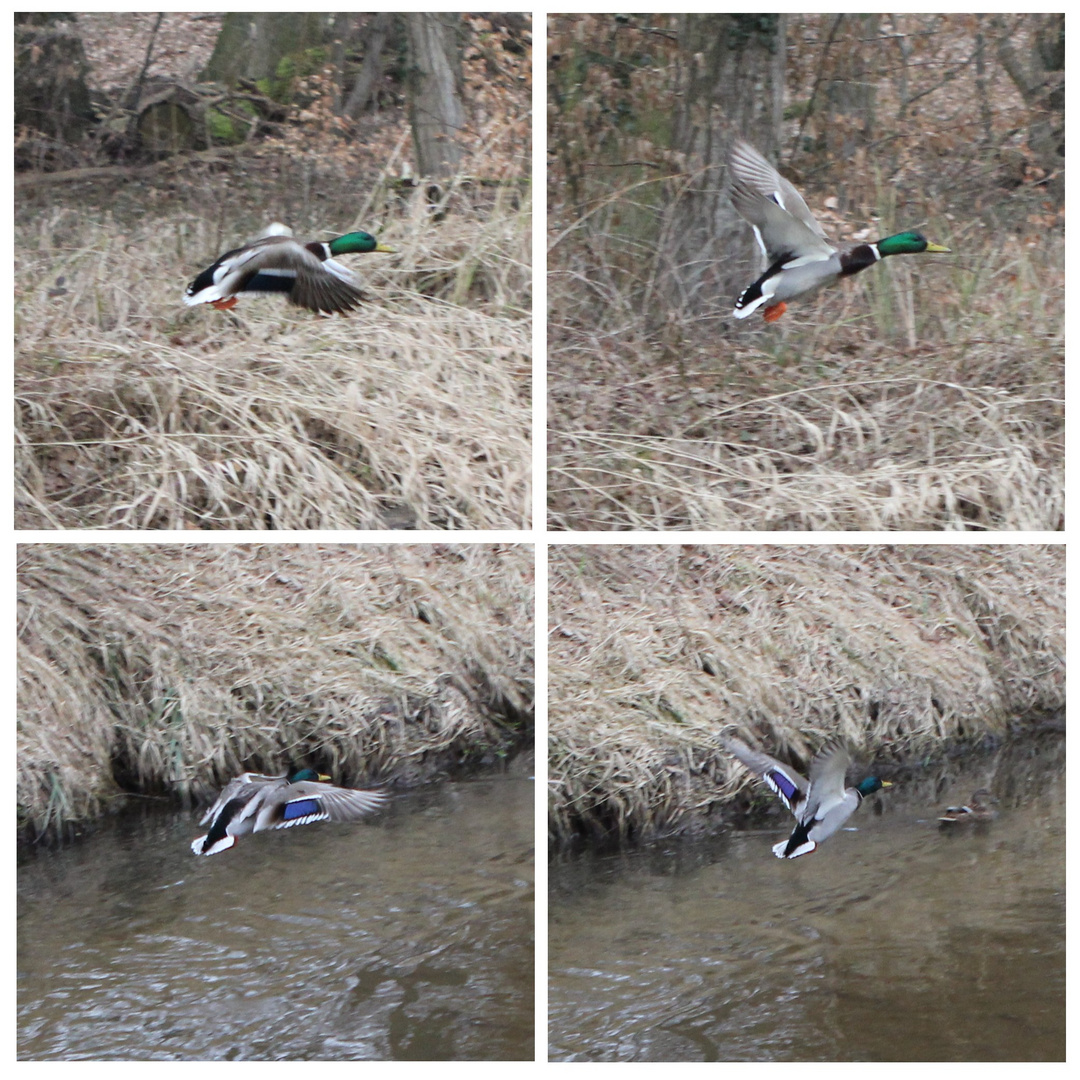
276	263
254	803
980	808
822	805
798	258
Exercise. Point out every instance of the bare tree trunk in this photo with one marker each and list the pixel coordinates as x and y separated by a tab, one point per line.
372	68
435	109
850	95
51	91
1041	82
339	35
986	114
251	43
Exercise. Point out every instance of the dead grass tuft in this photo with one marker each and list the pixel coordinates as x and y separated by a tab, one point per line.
883	454
653	651
169	669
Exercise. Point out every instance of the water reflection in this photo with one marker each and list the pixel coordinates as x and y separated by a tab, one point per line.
406	937
893	942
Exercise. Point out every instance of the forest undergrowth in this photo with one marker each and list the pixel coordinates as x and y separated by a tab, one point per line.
134	411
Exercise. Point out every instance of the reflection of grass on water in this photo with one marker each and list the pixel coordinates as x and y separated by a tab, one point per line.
166	670
903	651
134	411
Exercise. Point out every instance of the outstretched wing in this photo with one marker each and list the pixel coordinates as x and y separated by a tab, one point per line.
785	782
244	784
309	801
828	771
330	288
782	222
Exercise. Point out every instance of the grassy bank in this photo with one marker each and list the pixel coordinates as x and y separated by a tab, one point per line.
165	670
134	411
901	650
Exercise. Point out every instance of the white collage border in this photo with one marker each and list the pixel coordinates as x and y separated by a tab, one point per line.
540	538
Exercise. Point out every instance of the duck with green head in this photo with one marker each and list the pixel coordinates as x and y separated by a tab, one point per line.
821	805
275	263
254	802
799	260
980	808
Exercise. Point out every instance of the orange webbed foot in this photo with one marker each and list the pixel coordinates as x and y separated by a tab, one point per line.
224	305
773	313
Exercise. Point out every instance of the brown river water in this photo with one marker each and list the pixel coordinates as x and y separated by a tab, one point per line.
895	942
405	937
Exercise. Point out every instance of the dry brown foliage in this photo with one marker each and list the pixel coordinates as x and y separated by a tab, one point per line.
168	669
653	651
496	86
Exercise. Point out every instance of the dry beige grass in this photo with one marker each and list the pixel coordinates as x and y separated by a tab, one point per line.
136	412
168	669
654	650
888	405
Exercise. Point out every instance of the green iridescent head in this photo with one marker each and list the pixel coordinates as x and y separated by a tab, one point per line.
356	243
872	784
297	775
907	243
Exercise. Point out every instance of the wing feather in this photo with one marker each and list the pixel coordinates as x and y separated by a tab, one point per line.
782	221
787	784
